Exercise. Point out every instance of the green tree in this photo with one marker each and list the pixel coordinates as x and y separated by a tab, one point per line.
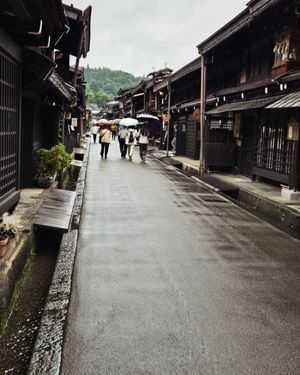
103	84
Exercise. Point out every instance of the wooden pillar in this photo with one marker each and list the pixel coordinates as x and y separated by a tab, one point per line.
169	116
202	114
293	138
295	166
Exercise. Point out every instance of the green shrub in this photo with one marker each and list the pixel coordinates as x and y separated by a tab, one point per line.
48	162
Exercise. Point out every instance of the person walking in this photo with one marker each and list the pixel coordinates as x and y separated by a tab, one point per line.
131	141
94	131
114	130
143	142
122	142
105	137
173	143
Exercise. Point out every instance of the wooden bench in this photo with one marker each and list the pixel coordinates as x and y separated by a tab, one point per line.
56	211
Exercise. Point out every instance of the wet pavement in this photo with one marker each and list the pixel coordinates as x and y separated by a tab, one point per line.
171	278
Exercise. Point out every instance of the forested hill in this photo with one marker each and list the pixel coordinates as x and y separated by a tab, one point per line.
103	84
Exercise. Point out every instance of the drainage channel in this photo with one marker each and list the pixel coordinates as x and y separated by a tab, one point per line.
17	341
18	337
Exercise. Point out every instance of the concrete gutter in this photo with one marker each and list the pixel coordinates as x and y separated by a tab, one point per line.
47	351
17	251
11	269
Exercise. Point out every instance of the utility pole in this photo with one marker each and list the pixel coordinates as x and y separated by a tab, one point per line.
169	116
202	114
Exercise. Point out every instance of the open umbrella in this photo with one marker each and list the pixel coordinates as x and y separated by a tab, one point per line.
102	122
128	121
145	116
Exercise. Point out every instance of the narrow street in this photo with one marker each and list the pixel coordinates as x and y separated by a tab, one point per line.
172	279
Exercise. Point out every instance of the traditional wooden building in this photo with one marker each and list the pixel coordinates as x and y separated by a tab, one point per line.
144	99
138	99
76	43
125	98
251	125
33	92
151	98
185	100
113	110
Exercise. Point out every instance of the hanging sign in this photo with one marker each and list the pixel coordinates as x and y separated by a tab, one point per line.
196	114
74	122
293	130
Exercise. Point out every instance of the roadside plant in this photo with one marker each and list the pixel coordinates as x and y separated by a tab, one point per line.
7	230
3	233
12	230
48	162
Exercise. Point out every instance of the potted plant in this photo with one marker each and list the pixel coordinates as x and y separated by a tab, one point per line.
7	231
82	139
12	230
49	162
4	235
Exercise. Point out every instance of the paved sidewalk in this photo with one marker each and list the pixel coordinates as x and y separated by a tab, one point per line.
261	198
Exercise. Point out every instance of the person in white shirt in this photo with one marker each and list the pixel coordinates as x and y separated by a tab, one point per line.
122	142
143	142
95	130
131	141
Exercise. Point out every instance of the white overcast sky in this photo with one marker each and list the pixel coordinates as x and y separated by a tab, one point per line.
138	36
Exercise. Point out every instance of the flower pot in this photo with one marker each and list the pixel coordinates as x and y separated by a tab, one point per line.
4	241
45	181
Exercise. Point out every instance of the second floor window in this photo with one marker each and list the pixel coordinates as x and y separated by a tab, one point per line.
281	50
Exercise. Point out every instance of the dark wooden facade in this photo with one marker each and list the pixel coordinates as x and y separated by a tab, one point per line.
10	88
34	96
185	94
247	67
244	61
144	98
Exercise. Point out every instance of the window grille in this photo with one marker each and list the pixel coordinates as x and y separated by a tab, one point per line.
9	124
272	147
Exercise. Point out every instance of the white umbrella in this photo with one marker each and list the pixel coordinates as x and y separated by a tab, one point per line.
147	117
128	121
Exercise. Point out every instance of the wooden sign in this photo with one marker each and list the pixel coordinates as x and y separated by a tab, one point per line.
74	122
293	130
196	114
237	126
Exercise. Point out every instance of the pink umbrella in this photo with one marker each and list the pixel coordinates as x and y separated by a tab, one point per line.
102	122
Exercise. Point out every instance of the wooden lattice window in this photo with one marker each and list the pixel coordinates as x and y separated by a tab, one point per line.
9	124
272	147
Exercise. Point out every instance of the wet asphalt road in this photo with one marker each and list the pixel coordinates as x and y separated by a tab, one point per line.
170	279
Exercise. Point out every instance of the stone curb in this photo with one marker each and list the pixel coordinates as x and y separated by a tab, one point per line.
205	184
47	352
